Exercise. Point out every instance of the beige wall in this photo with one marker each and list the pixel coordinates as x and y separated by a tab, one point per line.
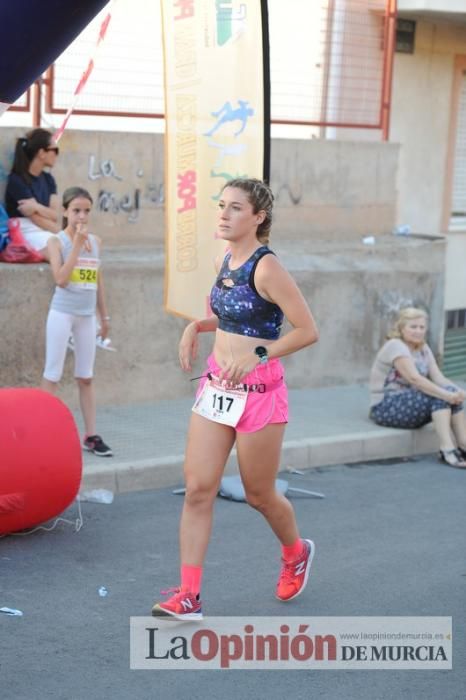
439	6
421	110
354	292
421	114
334	189
119	170
420	123
329	194
323	189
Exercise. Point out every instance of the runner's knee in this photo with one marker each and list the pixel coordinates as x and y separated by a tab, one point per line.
260	500
199	494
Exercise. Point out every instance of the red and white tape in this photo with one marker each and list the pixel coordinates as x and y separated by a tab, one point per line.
85	76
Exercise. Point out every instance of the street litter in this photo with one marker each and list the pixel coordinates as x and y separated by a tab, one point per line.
11	611
97	496
403	230
292	470
368	240
103	592
231	487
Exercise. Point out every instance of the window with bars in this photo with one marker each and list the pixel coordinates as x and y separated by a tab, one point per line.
329	63
454	350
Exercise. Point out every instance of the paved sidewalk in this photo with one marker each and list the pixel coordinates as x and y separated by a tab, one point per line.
328	426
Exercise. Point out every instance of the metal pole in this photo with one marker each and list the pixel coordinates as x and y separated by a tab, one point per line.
36	104
388	67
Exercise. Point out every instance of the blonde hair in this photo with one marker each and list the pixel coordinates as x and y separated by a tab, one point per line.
404	316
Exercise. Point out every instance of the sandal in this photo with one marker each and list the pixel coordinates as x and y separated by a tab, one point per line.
454	458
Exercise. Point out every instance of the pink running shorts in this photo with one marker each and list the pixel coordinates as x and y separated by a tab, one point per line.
262	408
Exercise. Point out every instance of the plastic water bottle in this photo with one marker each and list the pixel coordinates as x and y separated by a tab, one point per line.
104	343
403	230
14	231
97	496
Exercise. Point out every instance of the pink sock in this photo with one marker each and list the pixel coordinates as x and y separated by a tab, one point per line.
291	552
191	577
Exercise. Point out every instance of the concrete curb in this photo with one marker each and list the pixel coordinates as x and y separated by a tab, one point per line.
308	453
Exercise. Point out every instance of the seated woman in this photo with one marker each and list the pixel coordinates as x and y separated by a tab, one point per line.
408	389
31	193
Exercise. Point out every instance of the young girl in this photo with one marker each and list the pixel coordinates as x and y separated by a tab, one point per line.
75	261
31	192
242	397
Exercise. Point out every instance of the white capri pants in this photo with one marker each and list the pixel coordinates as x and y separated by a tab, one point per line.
60	326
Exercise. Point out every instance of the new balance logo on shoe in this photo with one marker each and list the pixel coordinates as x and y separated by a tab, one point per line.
183	605
294	575
300	568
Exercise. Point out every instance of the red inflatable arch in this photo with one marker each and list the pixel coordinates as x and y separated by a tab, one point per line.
40	458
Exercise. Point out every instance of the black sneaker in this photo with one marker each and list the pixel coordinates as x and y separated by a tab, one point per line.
95	444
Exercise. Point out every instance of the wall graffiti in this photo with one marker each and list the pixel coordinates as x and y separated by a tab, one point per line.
111	202
390	303
295	196
319	184
106	168
129	202
155	193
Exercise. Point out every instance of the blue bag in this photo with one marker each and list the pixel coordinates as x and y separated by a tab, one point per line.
4	239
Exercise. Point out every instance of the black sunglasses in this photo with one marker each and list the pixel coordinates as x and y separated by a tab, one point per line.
53	148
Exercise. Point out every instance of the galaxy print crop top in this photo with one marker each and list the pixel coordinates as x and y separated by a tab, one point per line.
239	307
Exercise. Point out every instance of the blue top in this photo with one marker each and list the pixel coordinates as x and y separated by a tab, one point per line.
41	188
238	305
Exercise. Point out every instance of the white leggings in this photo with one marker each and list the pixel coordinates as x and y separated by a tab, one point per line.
59	328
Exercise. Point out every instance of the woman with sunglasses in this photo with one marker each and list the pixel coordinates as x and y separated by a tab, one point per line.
31	192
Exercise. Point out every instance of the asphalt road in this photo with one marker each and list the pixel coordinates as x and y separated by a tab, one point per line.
390	542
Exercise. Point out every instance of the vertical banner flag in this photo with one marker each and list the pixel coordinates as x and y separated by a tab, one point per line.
217	127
